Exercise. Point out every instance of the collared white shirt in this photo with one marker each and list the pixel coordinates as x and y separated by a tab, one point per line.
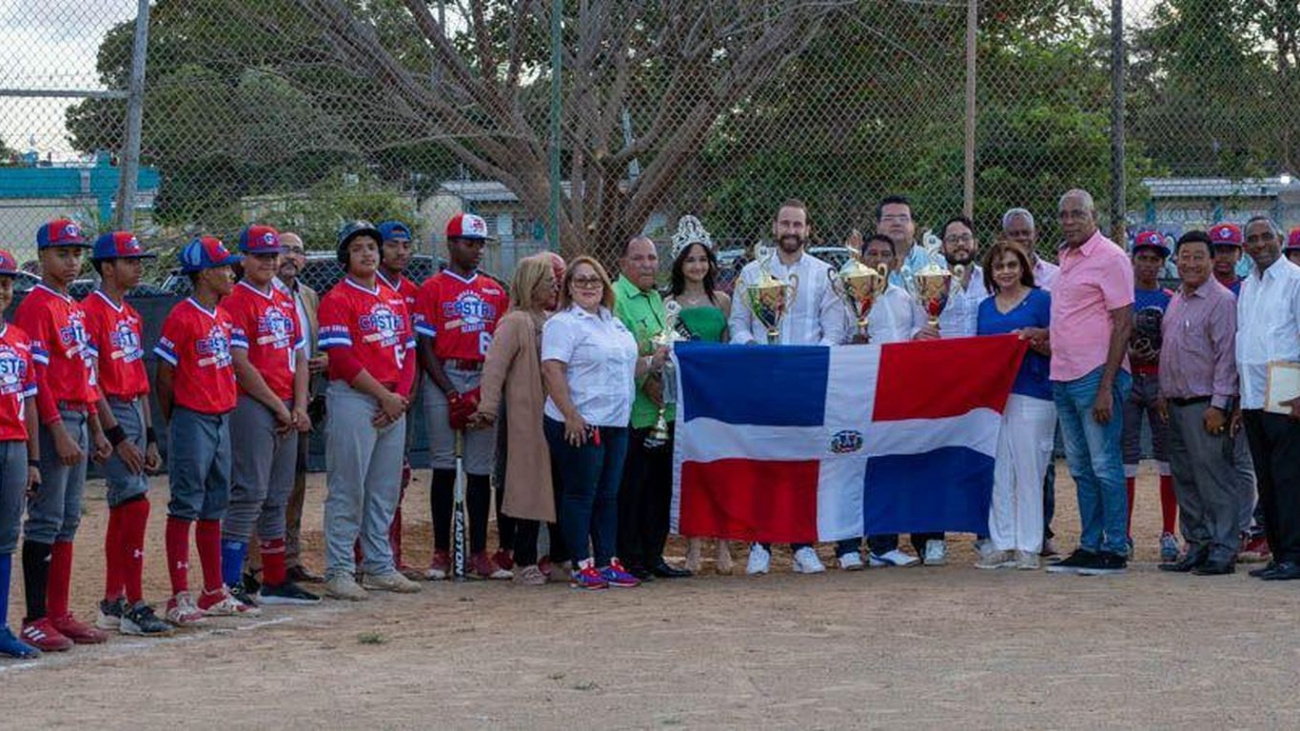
895	317
960	315
600	353
1268	327
818	316
1045	274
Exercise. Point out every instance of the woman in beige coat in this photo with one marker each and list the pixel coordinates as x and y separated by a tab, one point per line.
513	372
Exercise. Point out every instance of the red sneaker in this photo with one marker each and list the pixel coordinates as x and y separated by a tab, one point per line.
482	566
42	635
1255	550
440	567
505	559
78	631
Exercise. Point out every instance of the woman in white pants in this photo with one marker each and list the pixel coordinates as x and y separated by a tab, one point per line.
1029	419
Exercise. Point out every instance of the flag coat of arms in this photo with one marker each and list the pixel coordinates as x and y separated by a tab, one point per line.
799	444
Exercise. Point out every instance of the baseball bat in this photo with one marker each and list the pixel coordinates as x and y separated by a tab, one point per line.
459	518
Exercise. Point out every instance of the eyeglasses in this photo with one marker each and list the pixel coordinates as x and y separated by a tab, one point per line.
295	250
959	239
587	282
896	218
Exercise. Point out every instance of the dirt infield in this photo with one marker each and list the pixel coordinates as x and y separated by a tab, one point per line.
928	647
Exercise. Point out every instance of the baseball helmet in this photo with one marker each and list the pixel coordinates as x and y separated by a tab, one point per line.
351	230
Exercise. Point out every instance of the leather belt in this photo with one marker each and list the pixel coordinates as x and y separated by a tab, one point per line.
465	365
1189	400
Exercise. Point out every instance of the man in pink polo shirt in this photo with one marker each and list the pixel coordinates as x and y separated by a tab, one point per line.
1092	316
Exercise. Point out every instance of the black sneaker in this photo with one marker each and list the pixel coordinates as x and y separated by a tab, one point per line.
286	593
141	621
241	592
1106	563
250	582
110	613
1075	563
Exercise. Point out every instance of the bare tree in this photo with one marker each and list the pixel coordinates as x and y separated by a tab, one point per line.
644	83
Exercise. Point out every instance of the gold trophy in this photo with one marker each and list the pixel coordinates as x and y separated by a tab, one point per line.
930	286
770	298
658	435
858	286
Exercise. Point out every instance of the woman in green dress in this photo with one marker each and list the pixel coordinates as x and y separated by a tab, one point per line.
703	317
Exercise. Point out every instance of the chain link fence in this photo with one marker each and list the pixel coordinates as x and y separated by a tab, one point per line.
305	113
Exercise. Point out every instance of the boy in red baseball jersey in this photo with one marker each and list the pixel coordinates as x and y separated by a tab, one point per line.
270	416
365	329
394	254
113	328
18	447
196	390
65	403
457	312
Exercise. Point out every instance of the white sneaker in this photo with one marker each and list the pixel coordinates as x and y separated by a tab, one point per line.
229	606
182	611
936	553
851	562
892	558
806	561
760	560
344	586
392	581
1027	561
995	560
982	546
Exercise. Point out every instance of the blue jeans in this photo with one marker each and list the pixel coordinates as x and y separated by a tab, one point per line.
1093	452
590	476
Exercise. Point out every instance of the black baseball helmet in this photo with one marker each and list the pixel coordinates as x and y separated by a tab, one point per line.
351	230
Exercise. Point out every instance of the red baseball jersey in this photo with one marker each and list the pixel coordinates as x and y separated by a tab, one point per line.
17	382
373	324
404	287
115	333
197	344
460	314
266	325
56	324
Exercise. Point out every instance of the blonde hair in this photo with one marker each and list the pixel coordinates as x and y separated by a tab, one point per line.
607	296
528	274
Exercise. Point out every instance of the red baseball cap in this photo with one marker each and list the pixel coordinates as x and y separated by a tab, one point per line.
1151	240
467	226
258	239
205	252
1225	234
1292	240
60	232
8	264
118	245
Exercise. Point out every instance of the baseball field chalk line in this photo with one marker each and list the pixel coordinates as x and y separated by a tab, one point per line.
119	644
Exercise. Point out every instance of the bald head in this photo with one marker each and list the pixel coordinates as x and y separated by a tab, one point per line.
1078	216
292	258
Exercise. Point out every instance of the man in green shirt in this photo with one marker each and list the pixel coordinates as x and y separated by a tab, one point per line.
645	497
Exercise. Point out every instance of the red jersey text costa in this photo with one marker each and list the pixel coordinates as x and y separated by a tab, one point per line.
460	314
266	325
115	333
56	324
196	342
17	382
373	323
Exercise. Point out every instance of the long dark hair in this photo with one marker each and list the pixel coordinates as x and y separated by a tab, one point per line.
678	284
1004	246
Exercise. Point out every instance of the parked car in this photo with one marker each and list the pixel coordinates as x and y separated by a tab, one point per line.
731	261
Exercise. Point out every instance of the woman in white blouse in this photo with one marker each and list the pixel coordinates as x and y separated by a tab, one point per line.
590	366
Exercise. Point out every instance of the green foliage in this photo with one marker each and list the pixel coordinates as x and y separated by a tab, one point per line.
317	213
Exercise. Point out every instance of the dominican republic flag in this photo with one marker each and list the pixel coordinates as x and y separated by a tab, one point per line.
799	444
